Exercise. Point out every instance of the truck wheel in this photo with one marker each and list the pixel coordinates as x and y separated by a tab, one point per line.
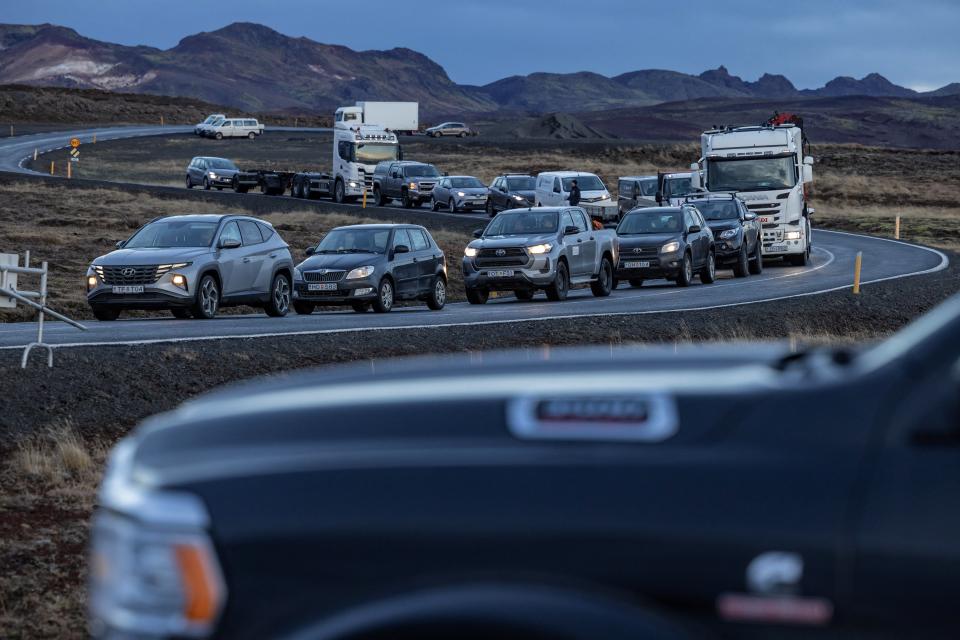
742	266
604	283
685	277
802	259
756	263
206	184
219	136
434	205
338	191
636	283
477	296
709	272
207	300
558	290
378	197
295	190
105	314
524	294
304	308
438	295
308	193
251	135
189	183
384	300
279	303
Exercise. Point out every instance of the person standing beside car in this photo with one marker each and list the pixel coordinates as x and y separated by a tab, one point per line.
574	194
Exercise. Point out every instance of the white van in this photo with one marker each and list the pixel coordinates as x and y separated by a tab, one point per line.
211	119
235	128
553	188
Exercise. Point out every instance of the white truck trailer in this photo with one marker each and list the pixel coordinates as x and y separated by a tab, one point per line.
764	166
399	117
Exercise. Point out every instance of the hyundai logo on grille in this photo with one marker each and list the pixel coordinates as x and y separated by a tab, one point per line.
128	272
501	253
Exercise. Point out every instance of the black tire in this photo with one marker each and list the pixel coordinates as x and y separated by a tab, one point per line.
251	135
604	283
189	183
180	313
477	296
206	184
756	264
452	205
636	283
219	136
303	308
296	190
207	299
800	260
339	192
524	294
105	314
378	197
242	189
709	272
462	134
560	286
219	188
491	210
741	267
360	307
685	277
305	189
385	296
407	201
281	293
434	205
438	295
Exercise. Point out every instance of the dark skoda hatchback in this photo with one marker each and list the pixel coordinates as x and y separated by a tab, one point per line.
371	265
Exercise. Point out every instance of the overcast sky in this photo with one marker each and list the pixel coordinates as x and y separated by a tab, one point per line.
915	43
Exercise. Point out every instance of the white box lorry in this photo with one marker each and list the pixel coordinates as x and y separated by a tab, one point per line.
399	117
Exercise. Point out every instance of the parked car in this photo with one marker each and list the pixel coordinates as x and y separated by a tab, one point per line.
235	128
737	237
211	172
511	191
406	180
198	130
665	242
193	265
676	187
459	193
457	129
547	248
371	265
609	493
636	191
553	188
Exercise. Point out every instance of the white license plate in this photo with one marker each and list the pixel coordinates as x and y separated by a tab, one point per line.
775	248
636	265
129	289
506	273
322	286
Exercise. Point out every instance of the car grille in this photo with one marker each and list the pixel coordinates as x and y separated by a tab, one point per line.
639	252
329	276
512	257
132	274
775	235
764	207
426	186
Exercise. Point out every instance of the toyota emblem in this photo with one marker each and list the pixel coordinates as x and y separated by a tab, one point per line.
501	252
128	272
638	250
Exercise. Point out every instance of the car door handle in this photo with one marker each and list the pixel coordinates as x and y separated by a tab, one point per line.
246	259
273	255
414	259
579	240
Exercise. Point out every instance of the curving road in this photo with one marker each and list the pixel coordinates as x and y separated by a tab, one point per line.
831	270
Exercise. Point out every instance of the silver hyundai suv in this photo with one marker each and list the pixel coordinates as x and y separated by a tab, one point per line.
193	265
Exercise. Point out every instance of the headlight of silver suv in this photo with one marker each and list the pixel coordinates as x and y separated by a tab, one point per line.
360	272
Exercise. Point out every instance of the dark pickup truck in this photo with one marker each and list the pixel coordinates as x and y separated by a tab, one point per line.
724	492
408	181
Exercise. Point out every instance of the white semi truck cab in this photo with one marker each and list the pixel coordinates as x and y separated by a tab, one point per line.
764	166
357	150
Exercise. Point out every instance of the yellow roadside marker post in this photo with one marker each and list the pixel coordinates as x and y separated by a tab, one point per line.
94	138
364	197
69	170
896	229
856	272
161	121
51	167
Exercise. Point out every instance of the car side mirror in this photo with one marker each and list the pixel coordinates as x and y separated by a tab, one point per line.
807	173
694	228
401	248
478	233
310	251
749	215
570	229
229	243
695	177
120	244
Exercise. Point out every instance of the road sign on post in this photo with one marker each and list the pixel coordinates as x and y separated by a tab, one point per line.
75	142
8	279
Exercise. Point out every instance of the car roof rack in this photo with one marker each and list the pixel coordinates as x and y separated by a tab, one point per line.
711	195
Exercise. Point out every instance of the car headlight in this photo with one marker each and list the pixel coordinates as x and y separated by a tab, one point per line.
461	194
729	233
413	185
791	235
518	198
470	252
352	184
539	249
297	274
670	247
212	174
92	282
360	272
178	265
179	280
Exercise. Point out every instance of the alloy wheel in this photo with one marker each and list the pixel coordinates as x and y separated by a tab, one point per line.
281	295
209	297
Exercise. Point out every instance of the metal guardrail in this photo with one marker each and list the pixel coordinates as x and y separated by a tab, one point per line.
10	295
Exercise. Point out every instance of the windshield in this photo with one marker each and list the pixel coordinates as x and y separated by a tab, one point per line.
648	187
372	153
521	184
218	121
421	170
751	174
586	183
220	163
718	209
173	233
355	241
209	119
651	221
466	183
523	223
676	187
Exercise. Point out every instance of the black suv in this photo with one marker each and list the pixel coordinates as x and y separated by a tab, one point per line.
510	191
406	180
665	242
371	264
736	232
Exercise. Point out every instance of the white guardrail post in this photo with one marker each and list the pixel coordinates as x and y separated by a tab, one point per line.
10	295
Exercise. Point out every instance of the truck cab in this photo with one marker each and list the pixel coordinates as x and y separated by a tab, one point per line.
356	152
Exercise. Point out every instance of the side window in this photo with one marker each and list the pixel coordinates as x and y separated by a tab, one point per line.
265	231
231	232
566	220
688	219
579	220
625	188
700	219
250	232
556	186
419	240
400	236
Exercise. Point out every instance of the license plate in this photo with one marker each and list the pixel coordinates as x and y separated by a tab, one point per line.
129	289
506	273
776	248
636	265
322	286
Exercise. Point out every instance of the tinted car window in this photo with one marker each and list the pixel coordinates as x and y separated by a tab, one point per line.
464	183
578	220
566	220
648	187
419	240
400	237
265	231
173	233
353	240
523	223
231	232
586	183
250	232
651	221
521	184
221	163
626	188
425	170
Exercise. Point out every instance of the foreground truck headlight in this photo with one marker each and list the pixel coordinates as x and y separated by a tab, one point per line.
153	569
791	235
